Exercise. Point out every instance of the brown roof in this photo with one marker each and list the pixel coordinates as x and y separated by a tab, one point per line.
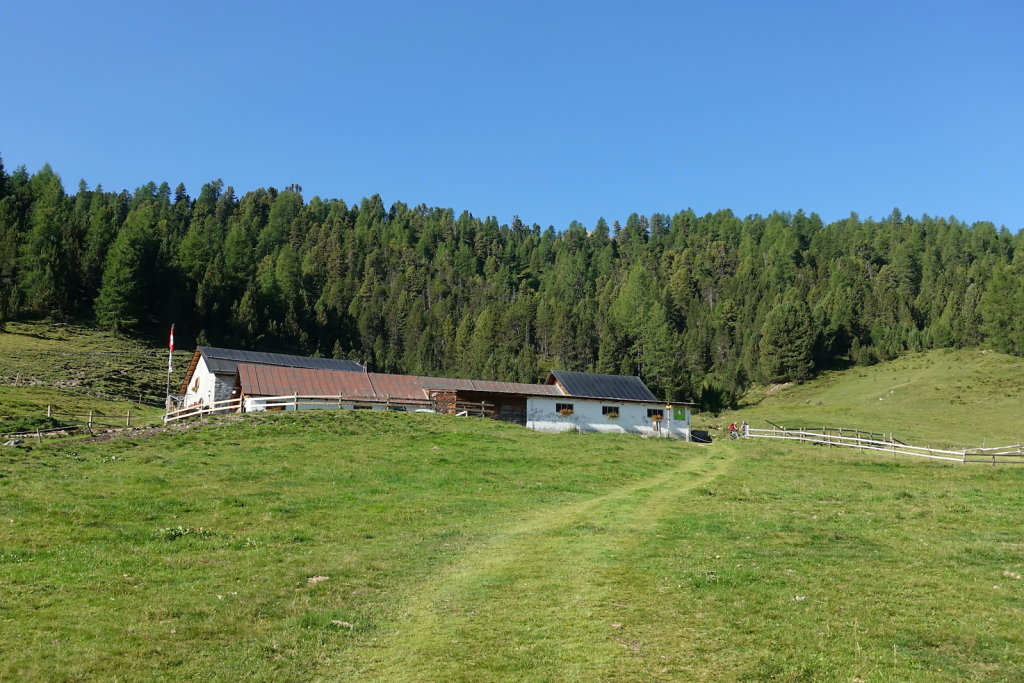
267	380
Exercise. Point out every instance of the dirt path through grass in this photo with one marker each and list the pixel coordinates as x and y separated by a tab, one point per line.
544	599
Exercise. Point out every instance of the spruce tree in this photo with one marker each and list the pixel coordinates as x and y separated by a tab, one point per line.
786	344
126	293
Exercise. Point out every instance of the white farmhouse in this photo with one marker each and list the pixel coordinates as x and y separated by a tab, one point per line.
611	404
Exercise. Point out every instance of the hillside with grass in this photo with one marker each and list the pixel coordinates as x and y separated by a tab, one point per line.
74	368
966	397
410	547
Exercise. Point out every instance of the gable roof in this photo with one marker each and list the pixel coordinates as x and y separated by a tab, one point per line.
227	360
593	385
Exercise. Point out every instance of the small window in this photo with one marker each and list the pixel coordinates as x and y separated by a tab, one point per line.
564	409
610	410
656	413
397	409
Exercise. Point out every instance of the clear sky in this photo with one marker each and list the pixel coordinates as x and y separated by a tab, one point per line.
554	111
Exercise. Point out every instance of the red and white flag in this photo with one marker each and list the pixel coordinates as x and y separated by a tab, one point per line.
170	352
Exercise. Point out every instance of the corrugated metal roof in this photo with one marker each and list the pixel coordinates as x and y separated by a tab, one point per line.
225	361
592	385
272	380
267	380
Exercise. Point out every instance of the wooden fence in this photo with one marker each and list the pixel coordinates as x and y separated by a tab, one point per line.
299	402
852	438
74	422
93	418
231	405
38	433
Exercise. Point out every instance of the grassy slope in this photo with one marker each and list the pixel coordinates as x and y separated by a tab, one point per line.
77	369
469	550
946	397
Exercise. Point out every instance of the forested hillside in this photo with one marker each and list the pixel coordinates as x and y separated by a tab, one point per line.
699	306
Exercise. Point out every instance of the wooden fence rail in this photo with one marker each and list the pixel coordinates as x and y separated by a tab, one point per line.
300	402
93	418
77	420
1013	454
231	405
38	433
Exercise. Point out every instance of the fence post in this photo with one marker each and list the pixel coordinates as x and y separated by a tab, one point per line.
90	421
49	408
128	419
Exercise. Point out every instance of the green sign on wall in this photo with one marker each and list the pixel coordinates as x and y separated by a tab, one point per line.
679	413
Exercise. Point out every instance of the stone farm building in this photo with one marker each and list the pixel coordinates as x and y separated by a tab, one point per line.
567	401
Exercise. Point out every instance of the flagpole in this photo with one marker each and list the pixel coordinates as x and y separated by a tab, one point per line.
170	366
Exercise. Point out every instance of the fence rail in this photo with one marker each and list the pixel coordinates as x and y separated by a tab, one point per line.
231	405
828	436
320	402
38	433
74	421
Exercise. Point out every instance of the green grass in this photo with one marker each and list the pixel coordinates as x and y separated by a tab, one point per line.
463	549
944	398
76	369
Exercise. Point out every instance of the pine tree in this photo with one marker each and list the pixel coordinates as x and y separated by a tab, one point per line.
125	294
45	263
1002	309
786	343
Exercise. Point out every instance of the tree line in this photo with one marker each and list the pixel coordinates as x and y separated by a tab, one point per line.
699	306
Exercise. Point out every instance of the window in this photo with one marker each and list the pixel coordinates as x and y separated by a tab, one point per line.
612	411
564	409
656	413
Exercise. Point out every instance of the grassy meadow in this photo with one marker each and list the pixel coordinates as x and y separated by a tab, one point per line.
411	547
947	397
383	546
75	369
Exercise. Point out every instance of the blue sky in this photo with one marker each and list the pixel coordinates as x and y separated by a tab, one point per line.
552	111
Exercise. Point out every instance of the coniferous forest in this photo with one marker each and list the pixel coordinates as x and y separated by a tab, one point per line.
699	306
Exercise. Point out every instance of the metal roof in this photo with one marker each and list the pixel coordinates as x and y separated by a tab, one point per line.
592	385
266	380
225	361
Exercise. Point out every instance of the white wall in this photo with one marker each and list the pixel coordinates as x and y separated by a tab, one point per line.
587	417
211	387
255	404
